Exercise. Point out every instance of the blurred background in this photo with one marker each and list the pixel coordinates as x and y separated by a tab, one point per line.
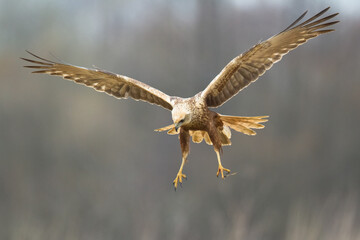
79	164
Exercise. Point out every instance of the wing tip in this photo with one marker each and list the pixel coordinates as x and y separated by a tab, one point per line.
310	20
47	61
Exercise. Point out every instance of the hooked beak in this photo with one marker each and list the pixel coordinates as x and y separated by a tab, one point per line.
177	126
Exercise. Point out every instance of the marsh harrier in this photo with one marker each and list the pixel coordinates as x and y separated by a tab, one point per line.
191	116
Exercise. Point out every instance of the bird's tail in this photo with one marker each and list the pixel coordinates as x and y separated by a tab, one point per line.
244	124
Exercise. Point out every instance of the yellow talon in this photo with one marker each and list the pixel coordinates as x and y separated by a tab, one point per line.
221	170
179	179
180	175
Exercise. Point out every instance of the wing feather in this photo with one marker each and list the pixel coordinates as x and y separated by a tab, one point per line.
103	81
249	66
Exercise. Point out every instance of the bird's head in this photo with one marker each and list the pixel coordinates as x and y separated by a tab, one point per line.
180	118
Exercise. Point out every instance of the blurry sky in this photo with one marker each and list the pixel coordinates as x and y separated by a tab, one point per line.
345	7
79	164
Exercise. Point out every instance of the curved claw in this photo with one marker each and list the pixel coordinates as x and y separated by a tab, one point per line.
179	179
221	170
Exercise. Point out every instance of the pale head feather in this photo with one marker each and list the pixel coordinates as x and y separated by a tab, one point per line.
181	114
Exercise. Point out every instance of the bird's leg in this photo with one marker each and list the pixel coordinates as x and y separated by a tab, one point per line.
215	139
221	169
184	137
180	176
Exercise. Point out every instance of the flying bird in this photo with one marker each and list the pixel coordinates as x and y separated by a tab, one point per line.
192	116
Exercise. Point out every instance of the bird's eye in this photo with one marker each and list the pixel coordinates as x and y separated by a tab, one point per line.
182	120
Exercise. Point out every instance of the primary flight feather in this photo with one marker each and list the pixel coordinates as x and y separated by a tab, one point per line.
191	116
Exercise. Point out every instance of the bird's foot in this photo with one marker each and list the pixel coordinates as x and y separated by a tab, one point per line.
179	179
221	170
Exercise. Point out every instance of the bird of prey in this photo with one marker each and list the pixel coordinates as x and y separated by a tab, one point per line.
192	116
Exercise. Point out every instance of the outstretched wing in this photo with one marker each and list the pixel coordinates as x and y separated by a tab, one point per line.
249	66
113	84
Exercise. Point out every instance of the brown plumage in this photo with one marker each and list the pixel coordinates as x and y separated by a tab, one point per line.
191	116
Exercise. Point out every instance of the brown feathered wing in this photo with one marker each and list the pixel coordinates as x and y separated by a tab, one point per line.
113	84
247	67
